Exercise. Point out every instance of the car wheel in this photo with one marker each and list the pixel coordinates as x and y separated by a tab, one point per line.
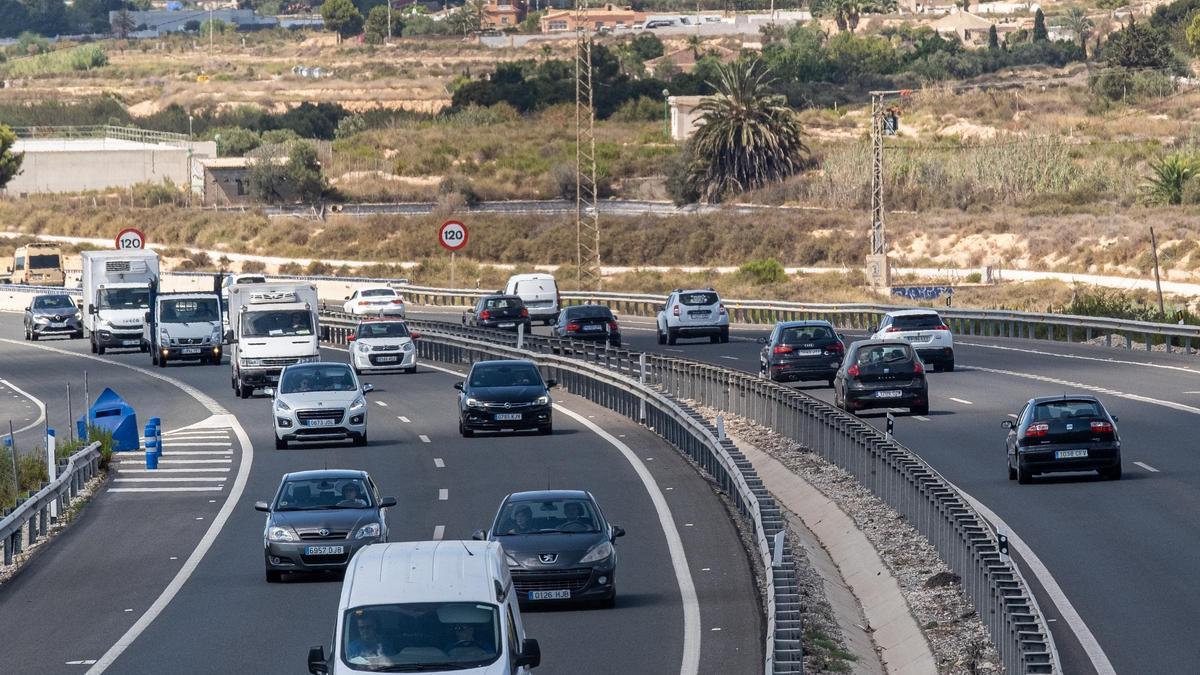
162	361
33	336
93	343
360	440
831	383
154	358
672	336
99	349
724	335
615	344
145	347
462	429
274	577
357	371
411	371
280	444
215	360
714	339
77	335
662	339
244	390
1023	476
546	430
609	602
1113	473
949	366
1012	473
919	409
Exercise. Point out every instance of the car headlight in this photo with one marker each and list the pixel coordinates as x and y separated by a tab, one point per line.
216	336
472	403
543	400
598	552
281	534
164	336
359	404
281	406
512	562
368	530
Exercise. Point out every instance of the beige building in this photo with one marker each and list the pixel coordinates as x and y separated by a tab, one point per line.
684	117
684	60
971	29
607	16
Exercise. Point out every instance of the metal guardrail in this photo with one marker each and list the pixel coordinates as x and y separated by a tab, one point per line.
23	525
616	207
890	470
101	131
621	385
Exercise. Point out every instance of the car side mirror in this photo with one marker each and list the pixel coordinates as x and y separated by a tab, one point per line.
1007	424
479	535
316	661
262	506
91	309
1115	418
269	391
415	335
458	386
618	531
147	317
387	502
762	340
350	337
368	388
230	338
531	654
551	383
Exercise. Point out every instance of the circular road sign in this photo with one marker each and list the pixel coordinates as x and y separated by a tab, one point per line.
131	237
452	235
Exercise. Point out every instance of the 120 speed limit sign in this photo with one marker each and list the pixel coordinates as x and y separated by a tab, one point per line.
452	235
131	237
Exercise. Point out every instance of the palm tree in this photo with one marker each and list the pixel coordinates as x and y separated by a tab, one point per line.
1076	20
746	137
1168	176
695	43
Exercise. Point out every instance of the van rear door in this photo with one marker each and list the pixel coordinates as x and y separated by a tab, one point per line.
540	295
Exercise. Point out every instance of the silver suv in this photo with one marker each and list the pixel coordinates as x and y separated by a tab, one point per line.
694	313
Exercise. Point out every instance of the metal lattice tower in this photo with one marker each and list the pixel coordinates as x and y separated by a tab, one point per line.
878	246
587	216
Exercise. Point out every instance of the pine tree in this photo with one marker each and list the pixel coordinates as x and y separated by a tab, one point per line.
1039	27
993	38
10	162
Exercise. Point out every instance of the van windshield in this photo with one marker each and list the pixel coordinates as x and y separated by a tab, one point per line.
276	323
421	636
125	298
190	309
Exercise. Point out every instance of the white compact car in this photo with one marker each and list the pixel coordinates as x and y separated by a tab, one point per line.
375	301
381	345
924	330
320	401
695	313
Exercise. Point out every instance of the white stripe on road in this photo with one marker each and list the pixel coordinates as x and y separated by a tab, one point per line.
171	479
424	438
125	471
1040	352
167	443
195	453
1147	467
962	401
437	461
164	460
1012	416
731	358
443	494
920	417
439	532
381	403
404	419
31	397
125	644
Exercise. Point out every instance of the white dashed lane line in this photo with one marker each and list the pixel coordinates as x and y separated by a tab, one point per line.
920	418
381	403
437	461
443	494
1147	467
439	532
424	438
960	400
404	419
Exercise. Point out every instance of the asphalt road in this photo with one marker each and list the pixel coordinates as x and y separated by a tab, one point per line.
104	572
1126	553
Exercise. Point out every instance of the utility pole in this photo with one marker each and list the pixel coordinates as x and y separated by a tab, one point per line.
587	214
1157	284
388	41
878	268
211	26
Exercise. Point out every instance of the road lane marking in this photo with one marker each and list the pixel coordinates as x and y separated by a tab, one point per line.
443	494
125	471
437	461
195	453
404	419
731	358
920	417
381	403
180	461
1147	467
172	479
1012	416
424	438
155	489
1122	362
31	397
167	443
962	401
84	662
439	532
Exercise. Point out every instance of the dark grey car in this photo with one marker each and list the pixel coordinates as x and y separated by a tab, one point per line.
319	519
54	314
505	312
559	546
801	350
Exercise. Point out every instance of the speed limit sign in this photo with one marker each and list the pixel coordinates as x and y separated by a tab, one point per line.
452	235
131	237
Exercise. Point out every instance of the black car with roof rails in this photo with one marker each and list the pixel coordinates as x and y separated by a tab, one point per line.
501	311
881	374
801	350
504	394
1055	434
588	322
559	546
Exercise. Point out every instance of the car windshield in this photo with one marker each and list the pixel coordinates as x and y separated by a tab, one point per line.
698	299
377	293
311	494
576	313
389	329
916	321
868	356
502	303
507	375
41	262
1057	410
275	324
799	334
190	309
125	298
421	636
547	516
331	377
53	302
251	280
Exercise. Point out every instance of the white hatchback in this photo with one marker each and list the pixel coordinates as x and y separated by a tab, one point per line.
925	330
383	344
375	301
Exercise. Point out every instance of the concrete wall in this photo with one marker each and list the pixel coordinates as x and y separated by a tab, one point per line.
75	170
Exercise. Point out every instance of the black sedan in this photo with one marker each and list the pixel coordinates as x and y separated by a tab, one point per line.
505	312
559	546
1055	434
801	350
52	314
500	395
881	374
319	519
588	322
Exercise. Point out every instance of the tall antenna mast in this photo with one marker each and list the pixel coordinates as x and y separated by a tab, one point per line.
587	216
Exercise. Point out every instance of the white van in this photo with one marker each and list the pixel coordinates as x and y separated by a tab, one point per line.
432	606
539	292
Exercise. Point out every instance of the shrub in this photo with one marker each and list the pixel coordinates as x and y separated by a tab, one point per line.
155	194
249	266
643	109
763	272
458	185
974	278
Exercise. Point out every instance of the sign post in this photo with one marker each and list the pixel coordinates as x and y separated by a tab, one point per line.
131	238
452	236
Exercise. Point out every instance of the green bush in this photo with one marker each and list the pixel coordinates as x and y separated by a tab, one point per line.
763	272
643	109
105	438
974	278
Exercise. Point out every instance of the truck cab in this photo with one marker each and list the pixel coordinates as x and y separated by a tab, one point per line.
116	296
184	326
37	265
270	326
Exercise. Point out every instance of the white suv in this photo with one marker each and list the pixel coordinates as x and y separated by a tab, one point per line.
924	330
695	313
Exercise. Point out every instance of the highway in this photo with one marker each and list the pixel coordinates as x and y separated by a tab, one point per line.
94	583
1125	554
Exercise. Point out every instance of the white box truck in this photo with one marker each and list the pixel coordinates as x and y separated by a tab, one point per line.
184	327
270	326
116	295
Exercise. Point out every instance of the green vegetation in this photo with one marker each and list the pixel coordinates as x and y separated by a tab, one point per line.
761	272
10	162
286	172
342	17
83	57
1169	176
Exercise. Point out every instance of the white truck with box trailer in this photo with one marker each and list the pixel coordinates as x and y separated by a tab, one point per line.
116	295
270	326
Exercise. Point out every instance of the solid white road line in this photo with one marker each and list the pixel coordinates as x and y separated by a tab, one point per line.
168	443
193	453
687	589
1040	352
125	645
437	461
424	438
41	408
1147	467
165	460
439	532
172	479
443	494
962	401
125	471
1012	416
731	358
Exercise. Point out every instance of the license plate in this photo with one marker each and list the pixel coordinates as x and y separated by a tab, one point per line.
320	423
191	350
57	324
507	417
550	595
593	328
889	394
131	343
324	550
386	359
698	314
507	325
1070	454
807	352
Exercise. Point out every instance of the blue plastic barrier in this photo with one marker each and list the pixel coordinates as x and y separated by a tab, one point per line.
111	412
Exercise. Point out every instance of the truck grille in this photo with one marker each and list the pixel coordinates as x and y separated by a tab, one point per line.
280	362
334	414
551	580
188	341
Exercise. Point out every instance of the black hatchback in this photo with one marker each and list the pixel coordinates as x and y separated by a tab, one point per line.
801	350
1055	434
505	312
499	395
881	374
588	322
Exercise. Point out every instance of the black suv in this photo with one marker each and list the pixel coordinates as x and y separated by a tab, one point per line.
881	374
498	311
501	395
801	350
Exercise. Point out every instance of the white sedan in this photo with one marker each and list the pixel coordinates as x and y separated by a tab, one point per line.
375	301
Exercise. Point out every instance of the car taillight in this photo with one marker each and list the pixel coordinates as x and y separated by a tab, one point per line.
853	370
836	347
485	314
524	313
675	311
1102	427
397	301
363	302
572	326
893	329
942	327
917	367
783	349
1037	430
612	326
